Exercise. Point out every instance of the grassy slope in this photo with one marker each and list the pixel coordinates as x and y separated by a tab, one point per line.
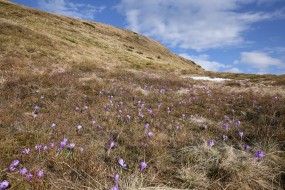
46	63
34	36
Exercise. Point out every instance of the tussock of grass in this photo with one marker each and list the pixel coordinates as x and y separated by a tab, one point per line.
228	167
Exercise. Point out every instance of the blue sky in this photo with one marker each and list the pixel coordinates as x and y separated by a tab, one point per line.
246	36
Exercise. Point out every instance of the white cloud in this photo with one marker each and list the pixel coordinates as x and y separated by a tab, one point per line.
195	24
66	8
204	62
261	61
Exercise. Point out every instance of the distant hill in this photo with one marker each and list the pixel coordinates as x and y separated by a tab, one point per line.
33	38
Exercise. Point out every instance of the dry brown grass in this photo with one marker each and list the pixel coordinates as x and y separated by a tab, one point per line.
39	36
113	84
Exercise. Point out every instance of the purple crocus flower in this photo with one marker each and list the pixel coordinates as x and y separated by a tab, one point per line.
23	171
240	133
144	145
150	134
85	108
205	127
13	165
63	143
93	122
225	137
4	185
116	178
100	127
122	163
143	165
146	126
226	126
38	147
26	151
36	108
71	146
237	123
51	144
128	117
79	127
140	115
53	125
40	173
29	176
35	116
177	127
211	143
245	147
44	148
259	154
112	144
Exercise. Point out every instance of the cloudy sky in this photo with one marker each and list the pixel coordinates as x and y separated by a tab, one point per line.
245	36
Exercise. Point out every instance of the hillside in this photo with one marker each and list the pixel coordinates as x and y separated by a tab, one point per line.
39	39
89	106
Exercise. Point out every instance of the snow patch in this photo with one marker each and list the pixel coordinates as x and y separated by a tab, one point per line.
210	79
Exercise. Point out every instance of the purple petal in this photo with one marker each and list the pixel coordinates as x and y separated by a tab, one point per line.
116	177
40	173
4	185
143	165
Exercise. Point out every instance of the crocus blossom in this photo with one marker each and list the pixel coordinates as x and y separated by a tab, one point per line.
13	165
146	126
26	151
100	127
44	148
143	165
38	147
53	125
63	143
149	134
71	146
79	127
240	133
112	144
40	173
51	144
23	171
4	185
259	154
122	163
211	143
116	178
237	123
115	187
29	176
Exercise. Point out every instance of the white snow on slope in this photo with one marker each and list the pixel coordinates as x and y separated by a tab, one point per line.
210	79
